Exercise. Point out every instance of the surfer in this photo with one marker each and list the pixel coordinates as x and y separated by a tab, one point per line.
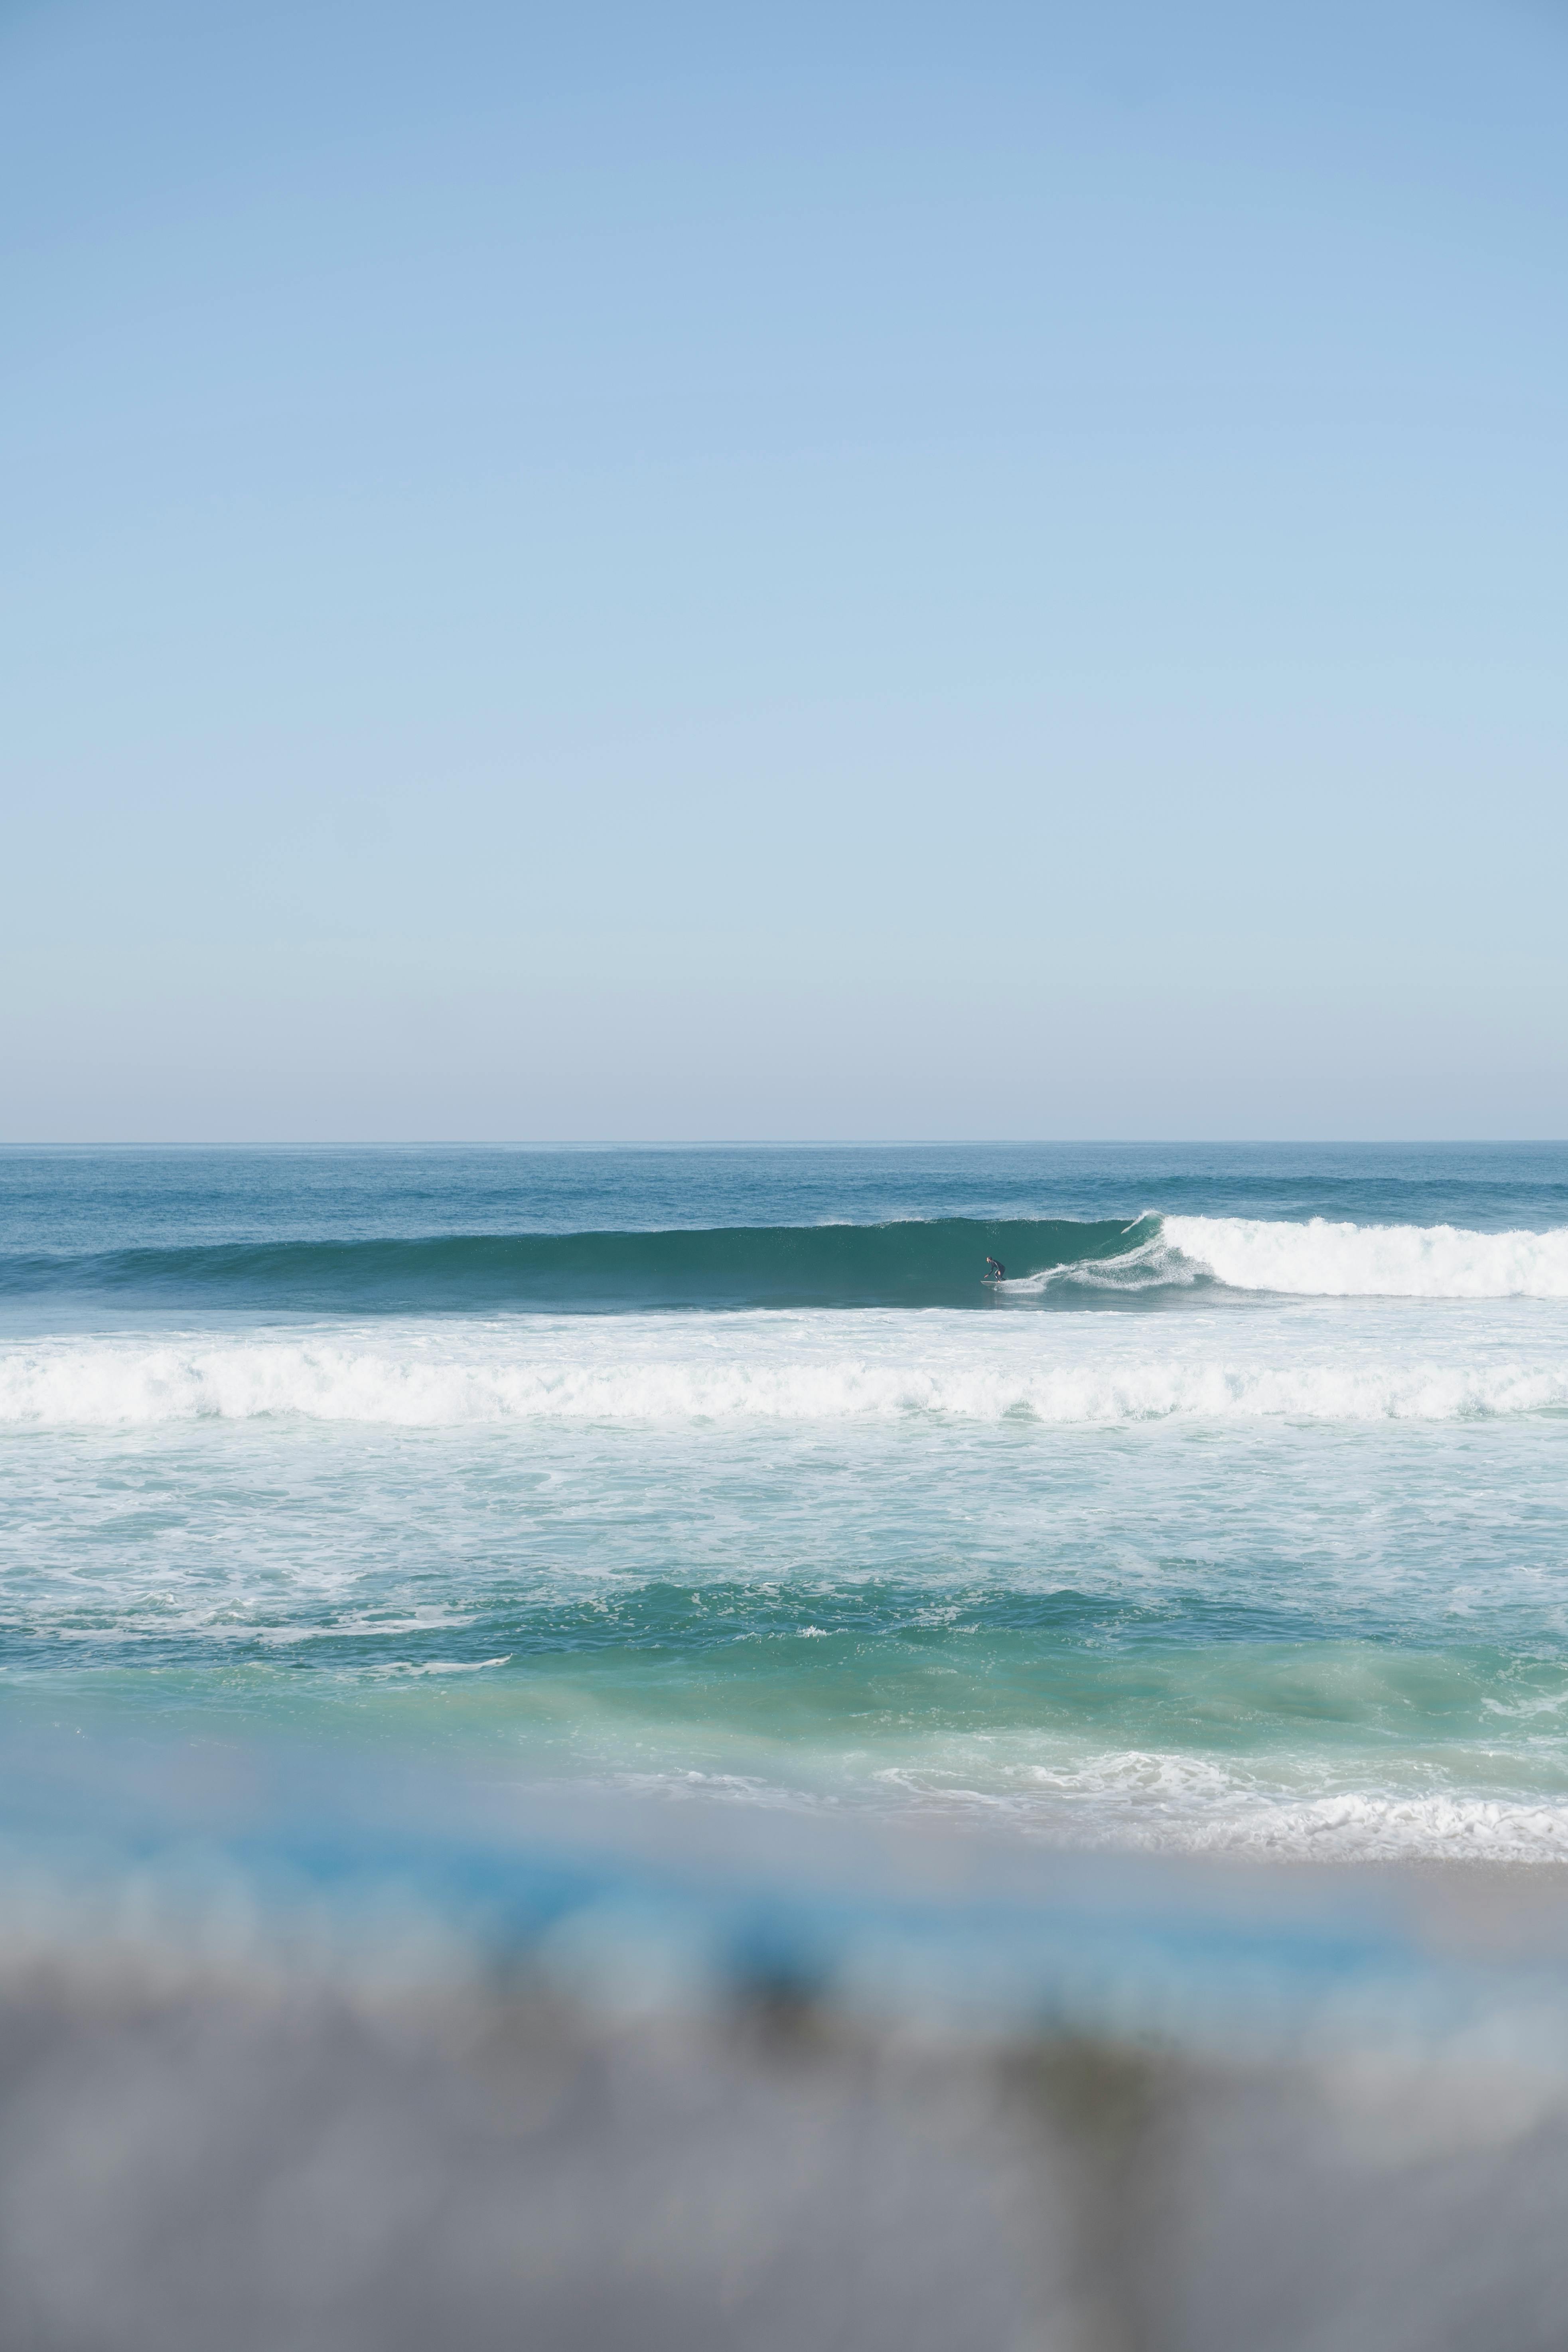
998	1272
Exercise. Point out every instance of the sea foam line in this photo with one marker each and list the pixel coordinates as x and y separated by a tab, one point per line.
108	1385
1152	1804
1156	1801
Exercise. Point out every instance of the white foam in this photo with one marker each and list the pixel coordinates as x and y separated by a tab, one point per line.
1150	1803
1341	1261
1194	1804
1067	1371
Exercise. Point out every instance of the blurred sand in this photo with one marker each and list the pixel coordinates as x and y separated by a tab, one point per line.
200	2160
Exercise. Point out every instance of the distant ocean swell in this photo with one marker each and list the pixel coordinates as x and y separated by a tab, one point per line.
935	1263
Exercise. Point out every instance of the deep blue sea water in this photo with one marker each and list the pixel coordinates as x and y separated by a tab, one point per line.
1232	1519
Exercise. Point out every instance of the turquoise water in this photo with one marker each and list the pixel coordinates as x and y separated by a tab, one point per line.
1233	1520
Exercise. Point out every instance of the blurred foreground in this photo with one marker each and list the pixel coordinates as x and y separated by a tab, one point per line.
294	2062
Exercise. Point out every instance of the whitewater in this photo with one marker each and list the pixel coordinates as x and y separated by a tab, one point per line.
827	1367
1231	1521
1323	1260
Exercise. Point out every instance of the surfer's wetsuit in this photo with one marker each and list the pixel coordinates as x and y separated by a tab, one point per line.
998	1271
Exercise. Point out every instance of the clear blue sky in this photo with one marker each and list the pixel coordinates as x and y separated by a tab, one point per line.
853	571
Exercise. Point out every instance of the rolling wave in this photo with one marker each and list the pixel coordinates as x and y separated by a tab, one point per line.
935	1262
938	1261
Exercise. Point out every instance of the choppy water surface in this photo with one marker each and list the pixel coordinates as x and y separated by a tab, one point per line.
1233	1519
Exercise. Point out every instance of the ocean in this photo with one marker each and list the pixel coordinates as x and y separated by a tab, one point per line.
1230	1522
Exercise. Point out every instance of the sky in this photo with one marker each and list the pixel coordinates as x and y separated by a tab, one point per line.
695	571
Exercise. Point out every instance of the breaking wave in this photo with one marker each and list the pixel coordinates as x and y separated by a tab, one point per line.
1320	1260
1340	1261
937	1261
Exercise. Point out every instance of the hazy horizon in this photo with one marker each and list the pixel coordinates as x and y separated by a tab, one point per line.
1393	1143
